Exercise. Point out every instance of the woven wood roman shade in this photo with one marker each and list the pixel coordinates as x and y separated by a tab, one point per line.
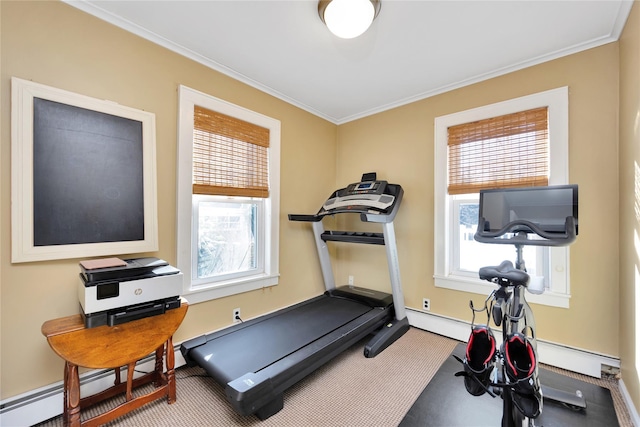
230	156
500	152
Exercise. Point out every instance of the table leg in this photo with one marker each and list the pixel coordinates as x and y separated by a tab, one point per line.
116	371
130	371
71	395
65	396
171	373
159	371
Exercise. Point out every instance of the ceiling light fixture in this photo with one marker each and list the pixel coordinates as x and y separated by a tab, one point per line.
348	18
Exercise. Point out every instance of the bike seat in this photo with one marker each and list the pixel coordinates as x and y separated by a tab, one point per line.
504	274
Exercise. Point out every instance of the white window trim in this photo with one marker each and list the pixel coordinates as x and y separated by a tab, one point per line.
558	102
188	98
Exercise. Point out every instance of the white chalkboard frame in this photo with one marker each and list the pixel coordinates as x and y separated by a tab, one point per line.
23	249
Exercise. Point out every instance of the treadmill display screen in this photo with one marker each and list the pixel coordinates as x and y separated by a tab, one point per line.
364	186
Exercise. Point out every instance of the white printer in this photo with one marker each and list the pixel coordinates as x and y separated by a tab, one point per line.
132	289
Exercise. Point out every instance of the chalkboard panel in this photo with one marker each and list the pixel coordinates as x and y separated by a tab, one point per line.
83	176
87	176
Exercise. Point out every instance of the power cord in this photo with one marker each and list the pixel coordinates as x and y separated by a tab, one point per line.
178	377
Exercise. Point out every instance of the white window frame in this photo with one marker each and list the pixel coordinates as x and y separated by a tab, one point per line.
260	236
557	101
268	272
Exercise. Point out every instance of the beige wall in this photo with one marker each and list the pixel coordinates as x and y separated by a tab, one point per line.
630	204
400	144
57	45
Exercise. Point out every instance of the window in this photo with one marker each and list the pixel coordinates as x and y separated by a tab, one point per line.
512	132
511	150
228	197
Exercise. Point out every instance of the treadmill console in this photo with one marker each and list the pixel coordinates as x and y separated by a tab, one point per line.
375	200
368	187
361	197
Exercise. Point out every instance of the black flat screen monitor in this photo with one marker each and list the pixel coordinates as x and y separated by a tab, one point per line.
546	207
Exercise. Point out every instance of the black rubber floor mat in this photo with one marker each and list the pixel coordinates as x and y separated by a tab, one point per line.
446	403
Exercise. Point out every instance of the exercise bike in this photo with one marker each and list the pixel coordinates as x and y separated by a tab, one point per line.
540	216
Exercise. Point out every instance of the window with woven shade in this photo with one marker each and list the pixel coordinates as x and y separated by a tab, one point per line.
228	198
520	142
511	150
230	155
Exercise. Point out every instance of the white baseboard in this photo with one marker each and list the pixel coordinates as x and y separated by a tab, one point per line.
39	405
633	412
571	359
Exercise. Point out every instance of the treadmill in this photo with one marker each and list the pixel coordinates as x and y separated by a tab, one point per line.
257	360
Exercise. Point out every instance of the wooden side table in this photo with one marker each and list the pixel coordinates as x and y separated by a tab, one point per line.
115	347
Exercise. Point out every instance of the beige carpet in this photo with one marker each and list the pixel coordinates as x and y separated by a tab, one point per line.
349	391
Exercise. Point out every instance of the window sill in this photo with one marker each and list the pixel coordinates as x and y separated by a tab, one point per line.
477	286
213	291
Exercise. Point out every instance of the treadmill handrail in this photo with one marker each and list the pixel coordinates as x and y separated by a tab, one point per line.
305	217
353	237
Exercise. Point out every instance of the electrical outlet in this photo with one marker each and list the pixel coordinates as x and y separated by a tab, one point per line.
350	280
236	315
426	304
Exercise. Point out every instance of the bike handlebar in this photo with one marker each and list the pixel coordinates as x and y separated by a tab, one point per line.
521	228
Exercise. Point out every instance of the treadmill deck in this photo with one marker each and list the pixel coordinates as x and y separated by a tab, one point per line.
253	346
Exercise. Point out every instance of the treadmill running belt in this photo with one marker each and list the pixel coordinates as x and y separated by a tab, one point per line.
251	349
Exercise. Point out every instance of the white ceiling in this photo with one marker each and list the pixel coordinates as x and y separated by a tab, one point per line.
413	50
